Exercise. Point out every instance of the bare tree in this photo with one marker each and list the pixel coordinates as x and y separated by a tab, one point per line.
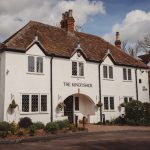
130	49
144	44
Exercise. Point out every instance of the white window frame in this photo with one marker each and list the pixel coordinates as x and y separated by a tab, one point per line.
35	65
128	97
108	103
78	70
127	74
30	103
108	73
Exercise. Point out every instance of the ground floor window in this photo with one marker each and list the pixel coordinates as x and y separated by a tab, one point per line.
34	103
108	103
127	99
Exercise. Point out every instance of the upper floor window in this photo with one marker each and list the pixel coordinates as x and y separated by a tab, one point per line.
35	64
108	72
78	69
127	75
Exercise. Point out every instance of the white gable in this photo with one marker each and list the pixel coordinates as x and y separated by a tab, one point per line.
35	50
77	58
108	61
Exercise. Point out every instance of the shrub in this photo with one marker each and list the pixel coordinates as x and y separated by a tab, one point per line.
5	126
20	132
71	127
32	129
146	112
120	120
38	125
132	122
25	122
134	110
63	124
13	127
51	127
5	129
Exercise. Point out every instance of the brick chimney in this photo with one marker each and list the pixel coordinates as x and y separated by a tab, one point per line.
118	42
67	21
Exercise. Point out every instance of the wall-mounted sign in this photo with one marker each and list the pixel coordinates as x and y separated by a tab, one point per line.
69	84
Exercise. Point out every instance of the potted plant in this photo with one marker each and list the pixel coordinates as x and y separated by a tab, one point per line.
61	105
99	104
122	104
13	105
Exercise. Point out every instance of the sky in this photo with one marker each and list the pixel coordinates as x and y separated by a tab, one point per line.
99	17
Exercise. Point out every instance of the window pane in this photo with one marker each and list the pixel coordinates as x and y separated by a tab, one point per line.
105	71
30	63
76	103
129	74
106	103
111	103
39	64
34	103
43	102
74	68
110	72
124	74
130	99
25	103
125	99
81	69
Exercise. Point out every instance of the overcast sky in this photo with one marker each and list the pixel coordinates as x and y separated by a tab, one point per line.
101	17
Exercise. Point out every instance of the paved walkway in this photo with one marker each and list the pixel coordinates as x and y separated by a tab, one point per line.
105	128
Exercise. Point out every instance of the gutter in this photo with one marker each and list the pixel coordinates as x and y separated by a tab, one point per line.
51	86
99	78
136	84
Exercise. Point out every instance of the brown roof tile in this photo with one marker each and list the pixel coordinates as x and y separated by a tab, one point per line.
59	42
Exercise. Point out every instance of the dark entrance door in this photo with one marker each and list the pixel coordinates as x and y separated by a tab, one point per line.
68	109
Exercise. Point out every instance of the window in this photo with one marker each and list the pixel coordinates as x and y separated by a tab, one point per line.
140	81
108	72
127	99
30	64
74	68
76	103
81	69
39	65
35	64
34	103
108	103
78	69
127	74
25	103
43	102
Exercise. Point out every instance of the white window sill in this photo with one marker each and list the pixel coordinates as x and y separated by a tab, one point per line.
35	73
109	79
127	81
33	113
83	77
108	110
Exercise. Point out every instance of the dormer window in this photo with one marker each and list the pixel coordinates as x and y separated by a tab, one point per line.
77	69
35	64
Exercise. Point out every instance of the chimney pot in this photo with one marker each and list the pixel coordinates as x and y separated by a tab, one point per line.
67	21
118	42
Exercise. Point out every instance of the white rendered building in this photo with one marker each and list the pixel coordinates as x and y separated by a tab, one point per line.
42	66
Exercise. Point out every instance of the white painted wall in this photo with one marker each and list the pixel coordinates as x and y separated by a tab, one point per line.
2	84
17	80
62	72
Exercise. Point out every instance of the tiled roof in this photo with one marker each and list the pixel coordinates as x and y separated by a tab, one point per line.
145	58
61	43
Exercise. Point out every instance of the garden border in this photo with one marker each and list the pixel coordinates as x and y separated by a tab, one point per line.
41	138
